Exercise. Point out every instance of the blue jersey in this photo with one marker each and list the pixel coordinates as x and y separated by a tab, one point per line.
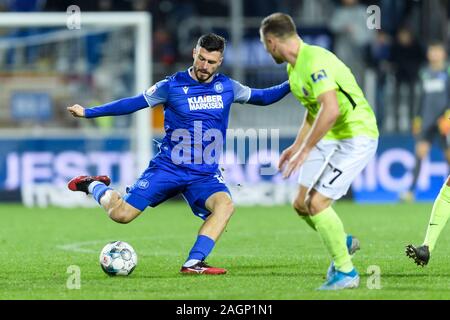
195	117
195	120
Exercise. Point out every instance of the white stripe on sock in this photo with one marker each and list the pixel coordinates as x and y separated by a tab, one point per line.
190	263
92	185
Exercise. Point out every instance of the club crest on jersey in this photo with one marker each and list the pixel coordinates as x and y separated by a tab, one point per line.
319	75
143	184
218	87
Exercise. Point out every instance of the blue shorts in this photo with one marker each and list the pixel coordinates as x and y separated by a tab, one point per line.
162	180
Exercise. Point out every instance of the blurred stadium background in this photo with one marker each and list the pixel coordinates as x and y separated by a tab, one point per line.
45	69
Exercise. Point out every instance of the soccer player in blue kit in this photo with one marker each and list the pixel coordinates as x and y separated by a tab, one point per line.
196	110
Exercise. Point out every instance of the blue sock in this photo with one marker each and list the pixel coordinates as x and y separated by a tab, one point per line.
202	248
352	273
99	190
349	241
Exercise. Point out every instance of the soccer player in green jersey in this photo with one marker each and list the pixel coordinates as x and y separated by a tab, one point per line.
438	220
337	139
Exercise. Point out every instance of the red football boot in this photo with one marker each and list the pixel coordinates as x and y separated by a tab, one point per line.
202	268
81	183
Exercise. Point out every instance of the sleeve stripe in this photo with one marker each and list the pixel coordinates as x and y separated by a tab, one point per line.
145	97
157	94
349	97
249	94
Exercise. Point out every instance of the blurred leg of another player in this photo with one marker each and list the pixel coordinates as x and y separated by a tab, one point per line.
439	216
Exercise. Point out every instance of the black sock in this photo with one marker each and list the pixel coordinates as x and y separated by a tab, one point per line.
416	173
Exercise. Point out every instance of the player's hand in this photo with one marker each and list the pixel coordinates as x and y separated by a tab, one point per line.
286	156
76	110
295	162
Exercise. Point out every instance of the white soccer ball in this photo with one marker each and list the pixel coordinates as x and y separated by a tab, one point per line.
118	258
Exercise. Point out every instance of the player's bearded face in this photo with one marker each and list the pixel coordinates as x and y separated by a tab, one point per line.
206	63
277	58
271	48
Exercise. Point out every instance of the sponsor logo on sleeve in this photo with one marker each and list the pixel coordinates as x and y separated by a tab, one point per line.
151	90
319	76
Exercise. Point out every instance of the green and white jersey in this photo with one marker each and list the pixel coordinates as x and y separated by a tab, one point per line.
317	71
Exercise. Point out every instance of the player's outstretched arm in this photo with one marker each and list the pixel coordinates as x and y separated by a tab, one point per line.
260	97
155	95
264	97
115	108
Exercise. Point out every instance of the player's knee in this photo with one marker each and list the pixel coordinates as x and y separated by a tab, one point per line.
300	207
229	208
316	205
448	182
226	208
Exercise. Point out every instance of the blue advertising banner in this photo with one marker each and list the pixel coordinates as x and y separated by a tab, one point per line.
391	172
40	168
51	160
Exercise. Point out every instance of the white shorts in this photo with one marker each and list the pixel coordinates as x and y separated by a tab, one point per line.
332	165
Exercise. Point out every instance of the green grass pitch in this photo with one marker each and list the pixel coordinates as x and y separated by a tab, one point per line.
270	254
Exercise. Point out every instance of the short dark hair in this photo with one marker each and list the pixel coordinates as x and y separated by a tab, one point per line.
437	43
279	24
212	42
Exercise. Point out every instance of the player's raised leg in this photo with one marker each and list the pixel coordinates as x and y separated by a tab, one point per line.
111	200
221	207
439	217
